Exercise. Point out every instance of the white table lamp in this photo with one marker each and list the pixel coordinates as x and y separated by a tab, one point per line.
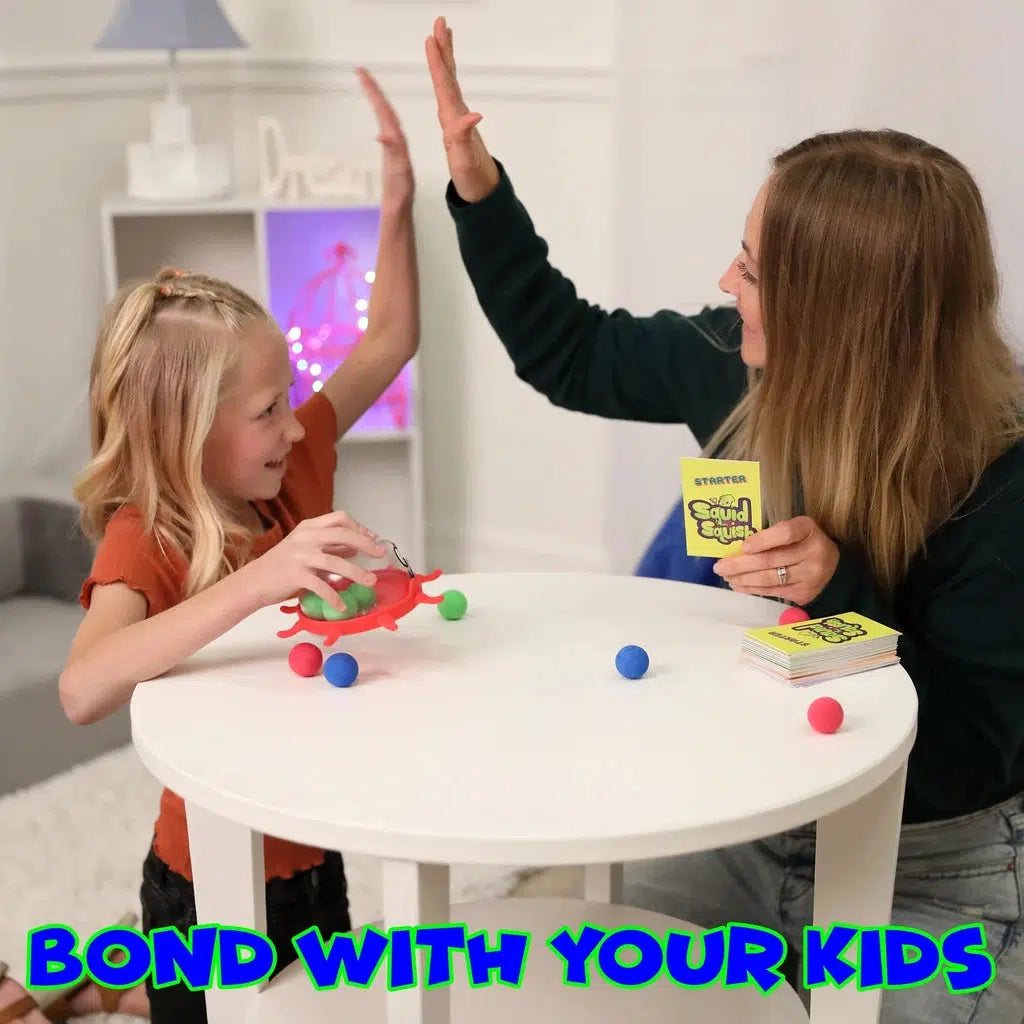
171	165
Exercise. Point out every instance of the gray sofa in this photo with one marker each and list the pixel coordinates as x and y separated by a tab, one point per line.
44	558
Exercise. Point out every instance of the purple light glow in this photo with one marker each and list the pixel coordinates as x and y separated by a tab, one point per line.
320	274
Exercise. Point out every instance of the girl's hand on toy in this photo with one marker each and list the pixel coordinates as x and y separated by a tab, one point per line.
799	546
397	180
473	171
347	550
306	555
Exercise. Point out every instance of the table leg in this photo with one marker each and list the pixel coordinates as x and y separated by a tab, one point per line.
413	894
602	883
227	871
854	878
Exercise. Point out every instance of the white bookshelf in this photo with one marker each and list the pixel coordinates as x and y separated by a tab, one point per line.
380	470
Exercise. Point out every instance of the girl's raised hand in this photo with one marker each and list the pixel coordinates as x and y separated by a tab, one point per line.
397	180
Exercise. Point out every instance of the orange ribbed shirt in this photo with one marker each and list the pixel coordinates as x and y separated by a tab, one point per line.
127	555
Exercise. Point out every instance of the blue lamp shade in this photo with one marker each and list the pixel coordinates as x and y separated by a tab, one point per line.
169	25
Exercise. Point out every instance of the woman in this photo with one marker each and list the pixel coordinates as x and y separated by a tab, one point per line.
863	367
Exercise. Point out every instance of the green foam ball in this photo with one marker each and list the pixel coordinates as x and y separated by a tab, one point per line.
332	614
311	604
453	605
366	597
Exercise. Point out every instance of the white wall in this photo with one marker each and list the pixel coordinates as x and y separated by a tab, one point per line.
951	72
496	32
703	99
511	482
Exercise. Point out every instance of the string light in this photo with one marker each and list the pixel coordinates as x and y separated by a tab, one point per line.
317	345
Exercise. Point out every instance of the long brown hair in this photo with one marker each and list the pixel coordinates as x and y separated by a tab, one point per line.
163	351
888	386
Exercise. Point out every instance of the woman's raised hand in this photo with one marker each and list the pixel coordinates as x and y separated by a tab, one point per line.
473	170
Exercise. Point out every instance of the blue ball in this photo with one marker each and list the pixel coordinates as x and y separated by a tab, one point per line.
632	661
341	669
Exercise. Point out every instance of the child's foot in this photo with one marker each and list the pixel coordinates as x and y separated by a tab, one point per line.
16	1005
132	1002
89	998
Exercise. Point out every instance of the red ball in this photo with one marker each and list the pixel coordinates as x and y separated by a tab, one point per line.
305	659
791	615
825	714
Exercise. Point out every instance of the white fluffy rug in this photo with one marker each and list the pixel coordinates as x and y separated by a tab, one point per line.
71	852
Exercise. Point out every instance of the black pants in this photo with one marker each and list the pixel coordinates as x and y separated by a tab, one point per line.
314	898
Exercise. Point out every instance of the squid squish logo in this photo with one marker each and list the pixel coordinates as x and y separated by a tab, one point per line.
725	519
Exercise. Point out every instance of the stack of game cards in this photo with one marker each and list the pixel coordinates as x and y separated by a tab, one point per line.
819	649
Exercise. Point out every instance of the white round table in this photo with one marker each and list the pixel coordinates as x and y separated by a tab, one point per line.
509	738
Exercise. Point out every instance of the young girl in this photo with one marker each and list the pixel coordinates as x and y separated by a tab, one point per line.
213	498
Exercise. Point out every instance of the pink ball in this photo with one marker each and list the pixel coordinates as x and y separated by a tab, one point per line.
791	615
305	659
825	714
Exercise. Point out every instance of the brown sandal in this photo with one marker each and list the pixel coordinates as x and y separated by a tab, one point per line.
56	1005
14	1011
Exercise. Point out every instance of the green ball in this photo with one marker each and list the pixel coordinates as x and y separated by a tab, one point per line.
453	605
311	604
332	614
366	597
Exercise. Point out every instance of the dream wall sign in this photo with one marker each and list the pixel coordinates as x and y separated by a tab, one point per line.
286	175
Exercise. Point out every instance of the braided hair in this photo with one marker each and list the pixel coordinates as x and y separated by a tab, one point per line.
190	292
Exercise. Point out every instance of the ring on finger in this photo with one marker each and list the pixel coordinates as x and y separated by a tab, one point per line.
783	574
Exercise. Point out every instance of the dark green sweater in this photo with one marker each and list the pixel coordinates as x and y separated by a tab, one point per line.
959	608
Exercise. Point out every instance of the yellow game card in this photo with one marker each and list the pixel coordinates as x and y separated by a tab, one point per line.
721	505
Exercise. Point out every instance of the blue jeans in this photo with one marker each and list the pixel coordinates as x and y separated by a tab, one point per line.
949	873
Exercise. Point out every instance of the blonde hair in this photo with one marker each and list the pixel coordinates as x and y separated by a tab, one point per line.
163	351
888	386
